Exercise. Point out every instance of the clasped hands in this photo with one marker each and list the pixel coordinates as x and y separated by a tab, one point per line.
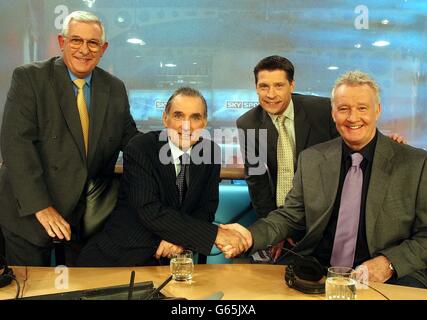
233	239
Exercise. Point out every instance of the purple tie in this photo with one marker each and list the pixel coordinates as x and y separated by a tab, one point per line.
348	216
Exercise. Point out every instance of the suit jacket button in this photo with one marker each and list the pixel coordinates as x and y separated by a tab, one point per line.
54	168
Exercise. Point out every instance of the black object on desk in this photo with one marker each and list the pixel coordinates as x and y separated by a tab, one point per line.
140	292
134	291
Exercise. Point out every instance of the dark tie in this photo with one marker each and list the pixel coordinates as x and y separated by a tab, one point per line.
180	179
348	216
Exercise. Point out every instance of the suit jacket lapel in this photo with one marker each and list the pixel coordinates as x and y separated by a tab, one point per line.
380	176
327	184
196	170
302	127
168	174
100	91
330	170
67	101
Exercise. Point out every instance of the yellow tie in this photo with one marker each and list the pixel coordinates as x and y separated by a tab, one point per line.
285	162
84	116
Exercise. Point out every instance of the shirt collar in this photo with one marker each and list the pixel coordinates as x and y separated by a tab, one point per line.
87	78
288	113
177	152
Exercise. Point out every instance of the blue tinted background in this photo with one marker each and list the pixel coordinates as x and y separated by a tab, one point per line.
214	45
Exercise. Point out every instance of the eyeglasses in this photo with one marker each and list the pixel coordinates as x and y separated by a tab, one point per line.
92	45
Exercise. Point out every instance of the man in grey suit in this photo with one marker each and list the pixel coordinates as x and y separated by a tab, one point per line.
381	222
57	155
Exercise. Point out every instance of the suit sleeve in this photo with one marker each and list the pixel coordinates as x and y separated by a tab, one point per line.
411	254
166	222
19	140
287	221
256	174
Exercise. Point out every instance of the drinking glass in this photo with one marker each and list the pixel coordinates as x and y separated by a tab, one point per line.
340	284
182	266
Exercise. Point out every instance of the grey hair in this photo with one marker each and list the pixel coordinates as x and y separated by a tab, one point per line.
187	92
356	78
82	16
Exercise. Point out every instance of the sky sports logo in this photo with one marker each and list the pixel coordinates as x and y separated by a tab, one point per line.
230	104
159	104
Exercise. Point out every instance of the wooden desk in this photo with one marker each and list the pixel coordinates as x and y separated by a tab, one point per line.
237	281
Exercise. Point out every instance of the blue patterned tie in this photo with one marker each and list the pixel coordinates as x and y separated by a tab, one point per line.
348	216
180	179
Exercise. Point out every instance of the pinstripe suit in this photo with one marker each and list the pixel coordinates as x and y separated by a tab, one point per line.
148	208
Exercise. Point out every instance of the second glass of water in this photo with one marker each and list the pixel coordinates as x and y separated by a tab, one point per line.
340	284
182	266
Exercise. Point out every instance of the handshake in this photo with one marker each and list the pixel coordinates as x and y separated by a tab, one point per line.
233	239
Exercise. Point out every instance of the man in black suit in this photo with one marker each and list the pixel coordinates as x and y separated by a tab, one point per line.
59	142
307	120
154	216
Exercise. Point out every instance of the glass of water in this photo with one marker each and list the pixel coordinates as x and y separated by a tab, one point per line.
340	284
182	266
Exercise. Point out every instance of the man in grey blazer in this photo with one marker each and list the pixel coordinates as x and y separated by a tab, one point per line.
390	232
50	166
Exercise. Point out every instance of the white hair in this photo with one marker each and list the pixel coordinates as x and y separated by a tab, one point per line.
82	16
356	78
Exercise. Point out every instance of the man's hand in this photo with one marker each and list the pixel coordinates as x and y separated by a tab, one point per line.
378	269
167	249
54	224
276	250
233	239
397	138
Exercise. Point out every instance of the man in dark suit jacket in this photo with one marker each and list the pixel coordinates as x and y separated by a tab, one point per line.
311	124
48	170
390	234
151	220
308	120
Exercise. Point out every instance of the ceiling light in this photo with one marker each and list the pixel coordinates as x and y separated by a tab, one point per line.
89	3
136	41
358	46
333	68
385	21
170	65
381	43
